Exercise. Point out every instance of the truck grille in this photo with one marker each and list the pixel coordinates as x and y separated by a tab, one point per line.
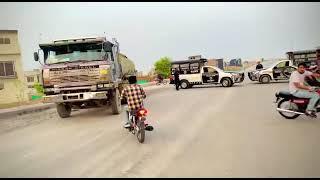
74	75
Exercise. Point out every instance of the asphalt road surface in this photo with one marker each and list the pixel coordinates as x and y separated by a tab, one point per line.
199	132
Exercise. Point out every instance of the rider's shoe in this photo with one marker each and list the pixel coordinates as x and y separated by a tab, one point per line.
127	125
149	128
311	113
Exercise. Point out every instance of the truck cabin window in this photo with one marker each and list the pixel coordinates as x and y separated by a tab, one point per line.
75	52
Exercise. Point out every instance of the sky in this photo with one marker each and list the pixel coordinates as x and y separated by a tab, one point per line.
148	31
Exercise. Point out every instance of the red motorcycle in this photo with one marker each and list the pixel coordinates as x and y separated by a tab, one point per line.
290	106
139	125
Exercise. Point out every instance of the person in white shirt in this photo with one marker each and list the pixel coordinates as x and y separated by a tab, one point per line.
300	90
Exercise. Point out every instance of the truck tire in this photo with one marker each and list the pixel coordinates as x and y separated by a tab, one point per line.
64	110
116	102
184	84
226	82
264	79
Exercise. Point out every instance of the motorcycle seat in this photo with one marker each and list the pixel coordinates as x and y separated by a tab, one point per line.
287	95
284	94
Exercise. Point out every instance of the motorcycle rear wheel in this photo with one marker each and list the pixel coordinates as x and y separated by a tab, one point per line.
286	104
141	132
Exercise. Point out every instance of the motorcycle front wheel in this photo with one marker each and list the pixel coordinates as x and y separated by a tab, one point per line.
141	132
286	104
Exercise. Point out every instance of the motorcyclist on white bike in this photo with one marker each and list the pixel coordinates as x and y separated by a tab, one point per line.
299	89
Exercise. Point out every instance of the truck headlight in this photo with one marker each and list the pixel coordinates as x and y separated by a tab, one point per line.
103	71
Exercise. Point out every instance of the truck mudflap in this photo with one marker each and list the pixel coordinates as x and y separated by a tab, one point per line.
73	97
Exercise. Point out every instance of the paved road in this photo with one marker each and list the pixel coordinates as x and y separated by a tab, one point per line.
199	132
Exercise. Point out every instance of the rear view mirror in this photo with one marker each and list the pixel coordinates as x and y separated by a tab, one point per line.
107	46
36	56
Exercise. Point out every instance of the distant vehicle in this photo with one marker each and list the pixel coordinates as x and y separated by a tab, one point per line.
84	73
279	70
309	57
196	72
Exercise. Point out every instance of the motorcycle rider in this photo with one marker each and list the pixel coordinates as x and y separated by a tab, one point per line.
160	78
259	66
300	90
134	94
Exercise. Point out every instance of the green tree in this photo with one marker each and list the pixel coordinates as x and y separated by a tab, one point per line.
163	66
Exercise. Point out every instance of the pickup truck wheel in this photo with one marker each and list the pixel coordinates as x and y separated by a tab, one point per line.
226	82
184	84
265	79
64	110
116	102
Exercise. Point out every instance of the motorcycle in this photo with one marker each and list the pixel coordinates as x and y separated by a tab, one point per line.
292	107
138	124
161	81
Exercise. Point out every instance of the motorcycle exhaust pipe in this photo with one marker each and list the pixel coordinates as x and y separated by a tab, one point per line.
288	111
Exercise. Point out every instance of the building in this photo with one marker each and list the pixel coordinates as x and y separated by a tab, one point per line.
32	77
11	69
216	62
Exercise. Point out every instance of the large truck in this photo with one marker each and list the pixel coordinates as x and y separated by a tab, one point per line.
195	71
309	57
84	73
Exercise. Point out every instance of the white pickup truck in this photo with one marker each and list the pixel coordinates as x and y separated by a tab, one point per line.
195	73
273	70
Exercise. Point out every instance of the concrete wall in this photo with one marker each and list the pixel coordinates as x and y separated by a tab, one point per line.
14	87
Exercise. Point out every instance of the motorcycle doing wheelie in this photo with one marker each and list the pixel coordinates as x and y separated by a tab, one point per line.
139	124
292	107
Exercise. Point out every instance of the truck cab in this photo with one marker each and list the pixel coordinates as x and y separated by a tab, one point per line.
83	73
279	70
195	72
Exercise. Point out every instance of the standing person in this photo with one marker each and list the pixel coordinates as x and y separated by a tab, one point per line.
176	79
259	66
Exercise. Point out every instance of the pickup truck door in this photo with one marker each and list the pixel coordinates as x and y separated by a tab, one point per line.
280	70
210	75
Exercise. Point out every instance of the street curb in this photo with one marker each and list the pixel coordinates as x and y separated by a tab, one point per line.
38	107
26	110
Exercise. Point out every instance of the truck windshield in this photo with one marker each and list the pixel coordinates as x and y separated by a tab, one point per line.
75	52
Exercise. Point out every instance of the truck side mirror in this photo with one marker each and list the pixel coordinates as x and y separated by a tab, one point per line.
36	56
107	46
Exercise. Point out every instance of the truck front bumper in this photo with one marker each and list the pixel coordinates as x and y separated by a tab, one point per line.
60	98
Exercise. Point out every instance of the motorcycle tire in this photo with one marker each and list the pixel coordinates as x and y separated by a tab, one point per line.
282	113
141	132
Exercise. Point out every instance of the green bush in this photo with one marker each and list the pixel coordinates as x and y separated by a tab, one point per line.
39	88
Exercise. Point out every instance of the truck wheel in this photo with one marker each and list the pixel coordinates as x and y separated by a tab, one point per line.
64	110
226	82
184	84
116	102
265	79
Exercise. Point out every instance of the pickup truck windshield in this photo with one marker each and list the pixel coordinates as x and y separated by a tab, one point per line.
75	52
267	64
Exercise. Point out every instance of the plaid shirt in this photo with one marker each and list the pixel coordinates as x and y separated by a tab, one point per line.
135	95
